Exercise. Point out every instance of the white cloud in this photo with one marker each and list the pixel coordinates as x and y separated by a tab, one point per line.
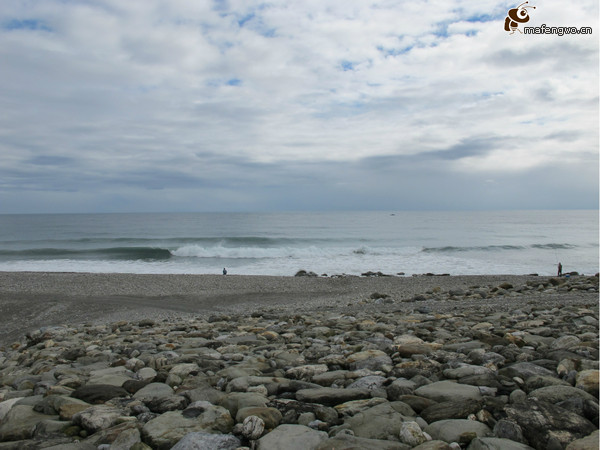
139	89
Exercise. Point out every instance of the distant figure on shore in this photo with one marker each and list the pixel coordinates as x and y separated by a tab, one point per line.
224	271
559	269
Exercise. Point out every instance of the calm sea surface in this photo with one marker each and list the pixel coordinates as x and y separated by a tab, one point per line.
514	242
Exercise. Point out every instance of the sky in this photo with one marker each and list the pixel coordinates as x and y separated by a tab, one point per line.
240	105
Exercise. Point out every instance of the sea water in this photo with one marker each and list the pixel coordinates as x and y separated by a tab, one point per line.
499	242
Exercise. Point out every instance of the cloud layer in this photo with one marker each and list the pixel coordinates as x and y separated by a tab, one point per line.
241	105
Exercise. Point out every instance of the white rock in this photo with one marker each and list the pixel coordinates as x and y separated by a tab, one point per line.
411	434
253	427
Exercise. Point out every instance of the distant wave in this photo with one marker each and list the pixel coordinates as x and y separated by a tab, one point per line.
112	253
453	249
553	246
254	252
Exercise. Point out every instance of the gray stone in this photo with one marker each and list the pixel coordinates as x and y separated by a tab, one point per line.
98	417
126	439
587	443
411	434
20	422
466	370
544	422
451	410
587	380
205	441
344	441
238	400
585	408
63	446
457	430
556	394
448	391
492	443
114	376
331	396
6	405
400	387
524	370
433	445
167	429
508	429
163	404
48	428
270	416
98	393
380	422
539	381
154	390
566	341
369	359
518	396
370	382
291	437
417	403
205	393
355	406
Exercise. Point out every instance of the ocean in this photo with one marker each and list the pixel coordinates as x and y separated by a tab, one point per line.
457	243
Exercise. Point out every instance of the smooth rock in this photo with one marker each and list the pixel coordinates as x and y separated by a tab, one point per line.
354	407
587	380
167	429
538	381
20	422
126	439
371	383
239	400
98	417
433	445
449	391
451	410
566	341
411	434
207	441
493	443
587	443
369	359
400	387
98	393
154	390
270	416
457	430
291	437
380	422
6	405
344	441
331	396
508	429
524	370
559	393
542	422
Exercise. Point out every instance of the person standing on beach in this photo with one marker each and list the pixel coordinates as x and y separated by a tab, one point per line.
559	269
224	271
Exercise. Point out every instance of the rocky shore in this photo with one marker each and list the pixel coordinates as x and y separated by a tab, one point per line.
434	363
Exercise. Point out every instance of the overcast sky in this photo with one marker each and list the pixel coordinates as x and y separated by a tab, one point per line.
197	105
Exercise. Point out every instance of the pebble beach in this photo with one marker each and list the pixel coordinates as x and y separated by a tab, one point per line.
122	361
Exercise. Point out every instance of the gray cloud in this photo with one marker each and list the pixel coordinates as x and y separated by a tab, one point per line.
147	105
